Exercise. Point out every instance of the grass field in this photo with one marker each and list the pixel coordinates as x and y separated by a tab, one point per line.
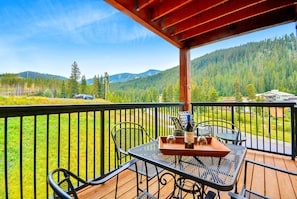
28	149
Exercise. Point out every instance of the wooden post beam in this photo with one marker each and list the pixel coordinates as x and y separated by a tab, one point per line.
185	77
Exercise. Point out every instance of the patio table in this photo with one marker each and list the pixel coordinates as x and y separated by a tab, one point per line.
192	173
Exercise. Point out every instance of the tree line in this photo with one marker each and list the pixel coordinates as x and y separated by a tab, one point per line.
12	84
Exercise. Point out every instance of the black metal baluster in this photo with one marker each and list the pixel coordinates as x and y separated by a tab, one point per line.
283	124
69	140
59	140
47	151
21	159
102	138
34	155
87	143
6	157
94	143
78	144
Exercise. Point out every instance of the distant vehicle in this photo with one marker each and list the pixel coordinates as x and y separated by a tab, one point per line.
83	96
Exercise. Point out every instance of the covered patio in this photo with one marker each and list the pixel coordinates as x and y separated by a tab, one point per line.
77	137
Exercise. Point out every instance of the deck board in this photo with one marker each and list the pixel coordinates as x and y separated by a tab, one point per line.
270	183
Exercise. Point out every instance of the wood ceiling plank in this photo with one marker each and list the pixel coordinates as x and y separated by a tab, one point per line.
194	8
167	7
277	17
141	4
215	13
250	12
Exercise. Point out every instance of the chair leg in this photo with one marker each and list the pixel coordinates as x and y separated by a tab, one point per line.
116	189
137	185
159	186
140	179
219	196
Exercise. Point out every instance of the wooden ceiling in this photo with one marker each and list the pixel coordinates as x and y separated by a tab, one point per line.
193	23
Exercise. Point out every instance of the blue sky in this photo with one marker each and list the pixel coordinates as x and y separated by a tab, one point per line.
47	36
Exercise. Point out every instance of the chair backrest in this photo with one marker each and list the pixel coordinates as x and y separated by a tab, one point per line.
215	127
61	181
246	190
127	135
64	183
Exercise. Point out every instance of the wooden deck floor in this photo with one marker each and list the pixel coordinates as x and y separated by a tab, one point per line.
270	183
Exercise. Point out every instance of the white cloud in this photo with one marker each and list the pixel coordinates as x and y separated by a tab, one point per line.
71	17
70	21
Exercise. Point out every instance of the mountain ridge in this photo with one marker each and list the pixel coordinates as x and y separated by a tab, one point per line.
121	77
33	75
130	76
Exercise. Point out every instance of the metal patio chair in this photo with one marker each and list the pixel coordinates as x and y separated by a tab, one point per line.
225	131
127	135
65	183
247	193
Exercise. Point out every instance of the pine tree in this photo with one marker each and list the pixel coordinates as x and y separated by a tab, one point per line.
251	91
83	84
74	77
63	90
238	95
106	85
213	95
95	86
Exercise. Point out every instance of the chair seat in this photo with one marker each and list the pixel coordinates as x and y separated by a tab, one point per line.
247	194
230	137
224	130
146	195
152	170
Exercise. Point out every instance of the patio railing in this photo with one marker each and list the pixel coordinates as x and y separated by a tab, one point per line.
36	139
268	127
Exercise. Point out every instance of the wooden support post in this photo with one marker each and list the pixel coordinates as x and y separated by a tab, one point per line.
185	77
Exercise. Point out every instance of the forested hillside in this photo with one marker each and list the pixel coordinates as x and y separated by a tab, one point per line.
265	65
270	64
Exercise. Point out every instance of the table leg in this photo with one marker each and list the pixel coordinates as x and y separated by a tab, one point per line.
181	185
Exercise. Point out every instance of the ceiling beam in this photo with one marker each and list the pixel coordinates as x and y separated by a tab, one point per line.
250	12
277	17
